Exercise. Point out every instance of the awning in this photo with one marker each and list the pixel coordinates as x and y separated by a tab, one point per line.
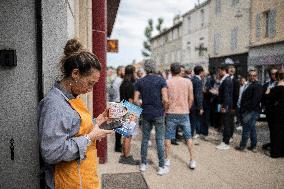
112	8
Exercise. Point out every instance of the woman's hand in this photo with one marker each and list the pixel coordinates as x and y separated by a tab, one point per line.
103	117
97	133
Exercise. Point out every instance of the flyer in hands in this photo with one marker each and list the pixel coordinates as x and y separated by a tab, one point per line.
126	116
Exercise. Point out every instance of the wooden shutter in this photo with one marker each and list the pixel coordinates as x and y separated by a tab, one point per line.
272	23
257	27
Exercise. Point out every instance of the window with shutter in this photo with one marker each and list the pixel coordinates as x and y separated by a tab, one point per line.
234	38
217	40
272	23
234	2
218	7
257	27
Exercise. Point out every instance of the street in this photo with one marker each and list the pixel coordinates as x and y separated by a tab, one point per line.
215	168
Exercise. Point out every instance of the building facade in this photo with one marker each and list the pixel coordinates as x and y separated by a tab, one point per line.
195	36
167	46
229	33
266	36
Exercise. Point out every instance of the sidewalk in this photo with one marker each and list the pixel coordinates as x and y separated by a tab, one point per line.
215	168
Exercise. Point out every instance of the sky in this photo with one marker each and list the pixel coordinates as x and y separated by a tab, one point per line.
131	20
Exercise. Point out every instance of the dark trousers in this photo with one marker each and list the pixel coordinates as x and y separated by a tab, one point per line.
232	122
117	140
226	119
195	122
206	118
269	118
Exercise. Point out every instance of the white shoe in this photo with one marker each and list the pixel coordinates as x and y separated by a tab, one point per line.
163	170
207	138
231	140
223	146
239	128
143	167
149	143
192	164
196	136
167	163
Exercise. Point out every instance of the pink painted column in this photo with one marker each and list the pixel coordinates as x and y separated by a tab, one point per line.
99	8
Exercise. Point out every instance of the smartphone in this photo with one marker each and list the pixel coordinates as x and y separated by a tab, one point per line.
112	125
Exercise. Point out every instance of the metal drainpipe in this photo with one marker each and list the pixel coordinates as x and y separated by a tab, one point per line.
38	5
38	15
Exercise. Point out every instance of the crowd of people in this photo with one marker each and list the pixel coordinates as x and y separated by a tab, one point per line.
190	101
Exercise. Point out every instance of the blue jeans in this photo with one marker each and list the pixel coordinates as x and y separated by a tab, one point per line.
172	123
249	131
147	126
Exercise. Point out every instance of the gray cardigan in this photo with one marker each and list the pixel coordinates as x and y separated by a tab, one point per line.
58	123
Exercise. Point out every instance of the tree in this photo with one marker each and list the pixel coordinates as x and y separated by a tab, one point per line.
159	25
146	52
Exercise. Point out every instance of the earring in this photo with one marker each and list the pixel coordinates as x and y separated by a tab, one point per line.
70	84
76	81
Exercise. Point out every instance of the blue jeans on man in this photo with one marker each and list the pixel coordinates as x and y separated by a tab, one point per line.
249	131
147	126
177	120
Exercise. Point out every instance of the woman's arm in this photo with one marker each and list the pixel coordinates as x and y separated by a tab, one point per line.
56	144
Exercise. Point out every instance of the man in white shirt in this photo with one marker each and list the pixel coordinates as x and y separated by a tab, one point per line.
116	83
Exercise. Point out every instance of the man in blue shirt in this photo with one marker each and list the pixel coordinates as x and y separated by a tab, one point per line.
153	92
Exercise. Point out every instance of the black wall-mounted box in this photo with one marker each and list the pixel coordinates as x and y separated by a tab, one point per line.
8	58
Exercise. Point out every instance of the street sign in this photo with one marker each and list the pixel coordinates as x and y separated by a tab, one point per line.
112	45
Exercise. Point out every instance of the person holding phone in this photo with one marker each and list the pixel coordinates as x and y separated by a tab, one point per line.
67	134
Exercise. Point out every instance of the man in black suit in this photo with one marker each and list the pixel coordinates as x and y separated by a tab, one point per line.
236	91
250	110
225	98
196	111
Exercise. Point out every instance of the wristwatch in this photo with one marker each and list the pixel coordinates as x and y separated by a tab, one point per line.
89	139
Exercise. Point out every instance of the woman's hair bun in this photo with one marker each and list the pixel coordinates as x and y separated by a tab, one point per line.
72	46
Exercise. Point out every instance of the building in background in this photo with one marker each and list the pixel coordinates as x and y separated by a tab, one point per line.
167	46
38	31
195	36
229	33
266	36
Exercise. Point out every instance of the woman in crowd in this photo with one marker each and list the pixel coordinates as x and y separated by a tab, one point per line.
127	93
67	133
276	100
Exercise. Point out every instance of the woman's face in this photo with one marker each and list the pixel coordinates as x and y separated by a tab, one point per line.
84	83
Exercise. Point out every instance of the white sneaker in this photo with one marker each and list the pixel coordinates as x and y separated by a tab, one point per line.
167	163
163	170
192	164
195	136
207	138
239	128
231	140
223	146
149	143
143	167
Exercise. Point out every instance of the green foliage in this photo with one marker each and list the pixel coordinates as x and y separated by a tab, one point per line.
159	25
146	52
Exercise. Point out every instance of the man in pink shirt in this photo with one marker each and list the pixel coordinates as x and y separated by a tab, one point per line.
180	93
